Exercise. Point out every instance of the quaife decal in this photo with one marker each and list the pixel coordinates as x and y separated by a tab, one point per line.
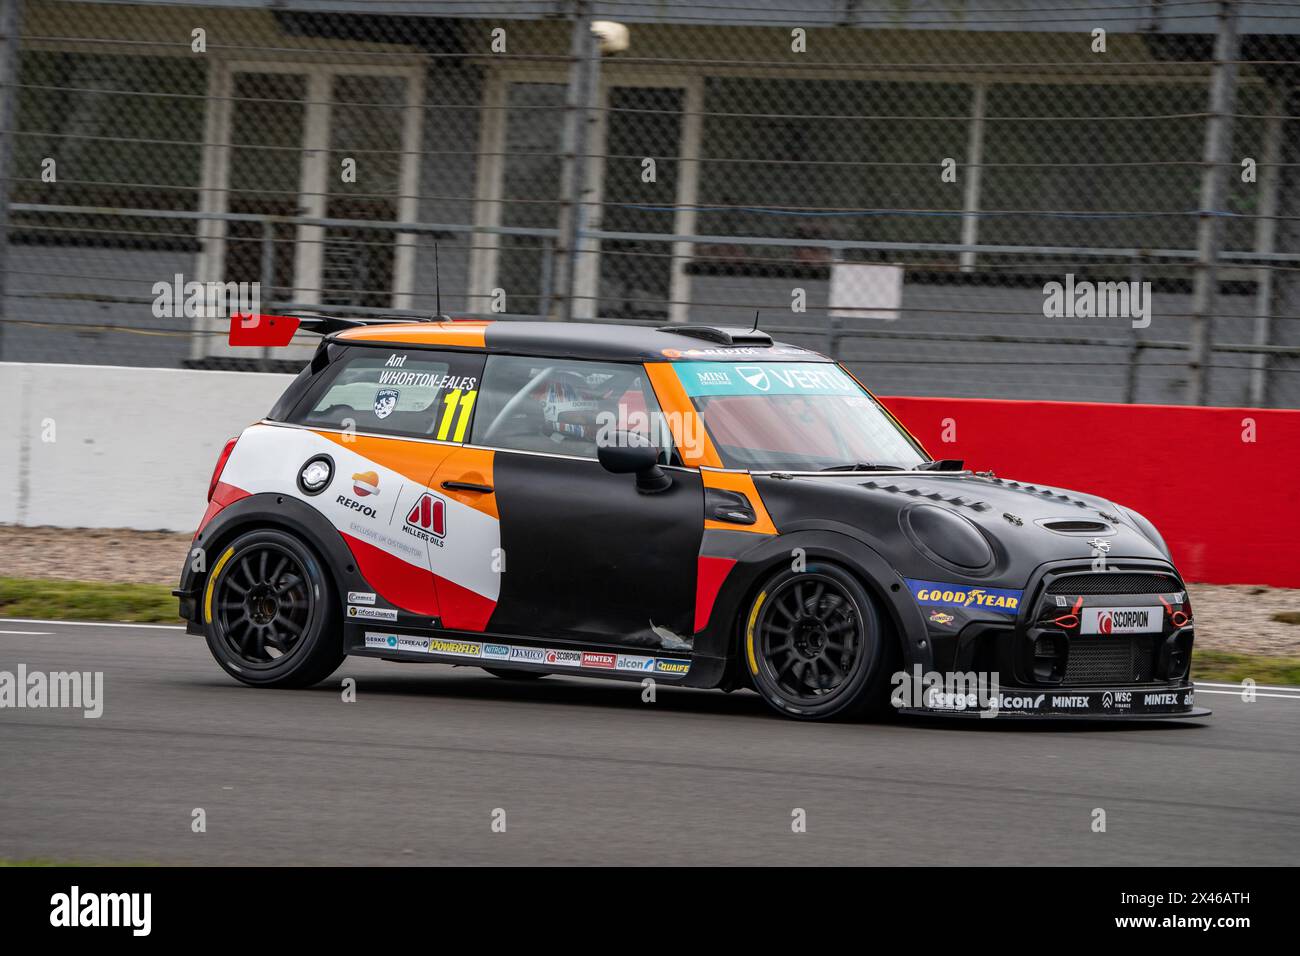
670	666
372	613
361	597
1001	600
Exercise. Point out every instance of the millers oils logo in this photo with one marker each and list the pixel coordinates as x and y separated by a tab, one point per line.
427	519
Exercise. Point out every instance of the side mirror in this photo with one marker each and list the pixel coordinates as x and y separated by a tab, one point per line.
632	453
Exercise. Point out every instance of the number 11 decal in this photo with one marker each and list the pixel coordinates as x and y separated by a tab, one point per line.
465	401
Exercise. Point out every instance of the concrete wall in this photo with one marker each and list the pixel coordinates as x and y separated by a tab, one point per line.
131	448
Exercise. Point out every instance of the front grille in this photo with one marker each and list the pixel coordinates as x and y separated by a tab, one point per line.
1114	582
1111	660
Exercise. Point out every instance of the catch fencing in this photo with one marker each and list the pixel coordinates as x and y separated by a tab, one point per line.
1094	202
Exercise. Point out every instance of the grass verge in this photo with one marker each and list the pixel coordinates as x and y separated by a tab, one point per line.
87	601
1223	666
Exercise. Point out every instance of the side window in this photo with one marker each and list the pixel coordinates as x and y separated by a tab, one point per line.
404	392
563	406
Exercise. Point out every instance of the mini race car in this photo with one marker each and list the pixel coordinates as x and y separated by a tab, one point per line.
698	505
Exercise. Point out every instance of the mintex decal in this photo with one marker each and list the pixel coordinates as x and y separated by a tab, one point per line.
766	378
603	661
1001	600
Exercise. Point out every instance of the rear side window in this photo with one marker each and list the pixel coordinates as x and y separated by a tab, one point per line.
415	393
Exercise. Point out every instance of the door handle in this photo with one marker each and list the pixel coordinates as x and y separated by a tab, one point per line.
467	486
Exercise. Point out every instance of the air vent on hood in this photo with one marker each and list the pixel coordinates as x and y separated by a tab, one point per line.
1072	526
960	501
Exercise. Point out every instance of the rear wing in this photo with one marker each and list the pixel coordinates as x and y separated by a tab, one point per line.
271	331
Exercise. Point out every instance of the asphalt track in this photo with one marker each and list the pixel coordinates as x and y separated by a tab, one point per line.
412	772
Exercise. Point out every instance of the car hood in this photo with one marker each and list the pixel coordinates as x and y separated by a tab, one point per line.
906	517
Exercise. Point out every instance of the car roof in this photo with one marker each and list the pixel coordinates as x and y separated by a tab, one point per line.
579	340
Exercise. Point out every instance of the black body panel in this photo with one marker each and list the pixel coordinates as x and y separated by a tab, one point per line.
590	558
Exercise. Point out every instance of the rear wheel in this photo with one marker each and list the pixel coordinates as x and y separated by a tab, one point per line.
815	645
271	615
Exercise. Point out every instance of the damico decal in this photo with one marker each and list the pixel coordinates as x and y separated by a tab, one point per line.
1121	620
1001	600
427	519
529	655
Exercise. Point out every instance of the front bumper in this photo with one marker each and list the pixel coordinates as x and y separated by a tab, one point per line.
1093	703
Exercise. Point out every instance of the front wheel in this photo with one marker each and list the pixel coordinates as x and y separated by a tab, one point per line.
815	645
270	612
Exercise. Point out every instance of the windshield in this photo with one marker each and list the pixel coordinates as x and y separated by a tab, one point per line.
793	416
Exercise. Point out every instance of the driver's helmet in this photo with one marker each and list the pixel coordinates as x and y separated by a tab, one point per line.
569	407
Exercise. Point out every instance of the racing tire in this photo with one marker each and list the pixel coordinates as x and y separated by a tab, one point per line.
270	612
506	673
816	645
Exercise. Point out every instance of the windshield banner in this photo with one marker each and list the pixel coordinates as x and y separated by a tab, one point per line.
767	378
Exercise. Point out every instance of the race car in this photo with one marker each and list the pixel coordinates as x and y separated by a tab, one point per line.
700	506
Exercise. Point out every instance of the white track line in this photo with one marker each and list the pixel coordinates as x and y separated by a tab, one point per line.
1238	686
30	620
35	633
1237	693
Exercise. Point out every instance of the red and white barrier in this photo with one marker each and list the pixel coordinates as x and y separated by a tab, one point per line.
1221	484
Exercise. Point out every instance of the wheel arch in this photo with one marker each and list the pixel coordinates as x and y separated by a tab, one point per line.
278	512
725	635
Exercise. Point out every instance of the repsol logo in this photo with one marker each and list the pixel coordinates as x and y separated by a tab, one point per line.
356	506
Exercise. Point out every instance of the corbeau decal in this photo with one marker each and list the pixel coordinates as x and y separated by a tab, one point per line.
1001	600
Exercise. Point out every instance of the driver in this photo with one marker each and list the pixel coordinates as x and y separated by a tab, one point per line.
569	408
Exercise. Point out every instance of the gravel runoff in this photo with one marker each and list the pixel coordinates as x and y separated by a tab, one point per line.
1234	617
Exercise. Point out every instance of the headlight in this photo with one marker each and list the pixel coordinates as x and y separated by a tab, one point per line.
948	536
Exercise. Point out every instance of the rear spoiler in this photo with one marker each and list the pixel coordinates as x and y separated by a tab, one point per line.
271	331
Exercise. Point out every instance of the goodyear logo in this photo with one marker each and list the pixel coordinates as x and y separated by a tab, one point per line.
1001	600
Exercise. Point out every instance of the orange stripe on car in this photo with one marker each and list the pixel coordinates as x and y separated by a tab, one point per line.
471	466
743	483
689	433
416	460
462	334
